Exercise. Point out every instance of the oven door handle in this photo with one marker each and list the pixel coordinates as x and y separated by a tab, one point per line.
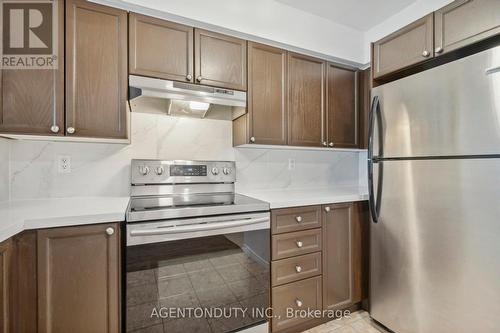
197	227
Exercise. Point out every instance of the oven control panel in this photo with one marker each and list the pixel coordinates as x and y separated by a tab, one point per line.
178	172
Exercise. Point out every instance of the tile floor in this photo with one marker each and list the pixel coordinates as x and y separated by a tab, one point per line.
357	322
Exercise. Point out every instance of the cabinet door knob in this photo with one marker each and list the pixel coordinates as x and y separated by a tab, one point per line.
110	231
199	78
298	269
426	54
299	244
298	302
189	77
327	209
331	144
324	144
438	50
70	130
54	128
252	139
298	219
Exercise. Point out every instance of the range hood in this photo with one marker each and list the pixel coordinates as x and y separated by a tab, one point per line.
185	99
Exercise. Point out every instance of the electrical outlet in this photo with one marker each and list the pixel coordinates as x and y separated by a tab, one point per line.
64	164
291	164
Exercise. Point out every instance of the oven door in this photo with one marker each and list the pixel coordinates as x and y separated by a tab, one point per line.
208	274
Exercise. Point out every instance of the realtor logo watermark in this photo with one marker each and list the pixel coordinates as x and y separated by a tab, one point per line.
29	34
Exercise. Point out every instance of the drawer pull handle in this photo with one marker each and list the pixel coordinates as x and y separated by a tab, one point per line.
299	244
299	219
298	269
298	302
327	209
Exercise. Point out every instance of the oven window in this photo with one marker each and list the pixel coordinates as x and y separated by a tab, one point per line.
210	284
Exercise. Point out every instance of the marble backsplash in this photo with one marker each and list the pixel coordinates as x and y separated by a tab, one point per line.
29	168
99	169
4	169
271	169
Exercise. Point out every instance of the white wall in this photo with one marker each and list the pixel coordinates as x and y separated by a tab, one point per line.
265	19
277	23
4	169
411	13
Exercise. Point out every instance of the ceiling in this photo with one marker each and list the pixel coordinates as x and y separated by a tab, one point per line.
358	14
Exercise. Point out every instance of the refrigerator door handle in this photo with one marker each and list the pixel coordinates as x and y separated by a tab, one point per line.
375	109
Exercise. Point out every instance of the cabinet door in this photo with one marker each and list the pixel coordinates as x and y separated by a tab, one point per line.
96	81
266	94
342	107
220	60
341	238
306	100
23	302
32	100
5	254
79	279
465	22
160	49
364	99
409	46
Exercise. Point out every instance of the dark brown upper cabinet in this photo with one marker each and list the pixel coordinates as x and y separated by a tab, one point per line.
342	107
364	99
79	279
96	66
161	49
464	22
220	60
5	260
343	273
266	94
409	46
306	100
32	101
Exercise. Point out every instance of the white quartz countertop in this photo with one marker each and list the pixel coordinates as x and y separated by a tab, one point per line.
284	198
19	215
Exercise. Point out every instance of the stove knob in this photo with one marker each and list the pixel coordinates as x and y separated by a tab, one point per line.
226	171
215	171
159	171
143	170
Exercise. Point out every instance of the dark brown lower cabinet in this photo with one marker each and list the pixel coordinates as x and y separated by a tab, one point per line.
323	268
344	242
23	298
79	279
5	254
291	298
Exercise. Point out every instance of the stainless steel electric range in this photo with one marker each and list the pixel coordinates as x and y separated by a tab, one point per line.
198	254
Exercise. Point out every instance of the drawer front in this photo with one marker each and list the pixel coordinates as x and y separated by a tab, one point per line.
296	268
302	295
295	219
296	243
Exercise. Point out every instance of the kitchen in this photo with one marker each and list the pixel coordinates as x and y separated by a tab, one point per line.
210	167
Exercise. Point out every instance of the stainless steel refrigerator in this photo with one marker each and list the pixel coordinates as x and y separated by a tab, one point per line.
434	183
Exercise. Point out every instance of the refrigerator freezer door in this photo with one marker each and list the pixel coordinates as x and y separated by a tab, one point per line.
453	109
435	250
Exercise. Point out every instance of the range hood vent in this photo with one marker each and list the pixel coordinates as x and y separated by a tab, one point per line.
185	99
